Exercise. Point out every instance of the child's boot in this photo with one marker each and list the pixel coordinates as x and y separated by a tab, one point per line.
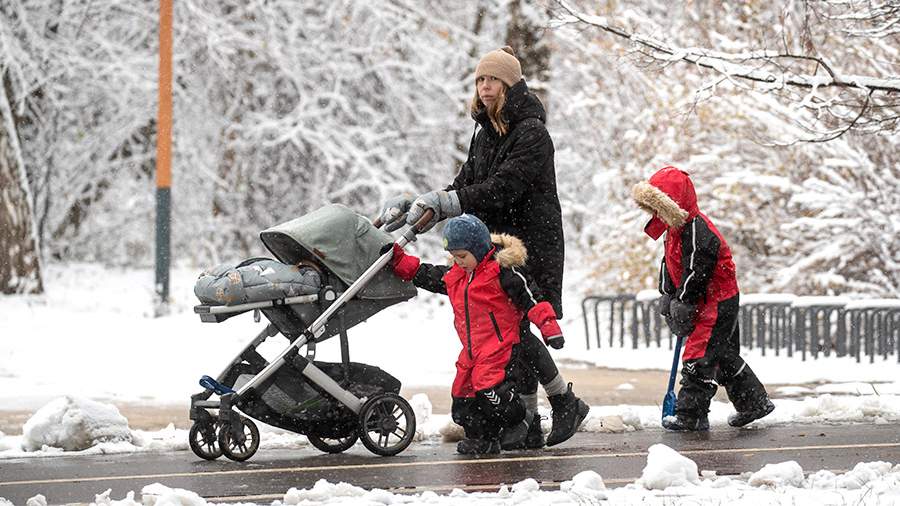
525	434
682	422
742	418
748	396
477	446
568	413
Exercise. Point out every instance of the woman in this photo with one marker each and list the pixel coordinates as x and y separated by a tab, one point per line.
509	182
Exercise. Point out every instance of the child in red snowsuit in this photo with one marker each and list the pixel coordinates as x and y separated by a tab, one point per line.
700	301
489	298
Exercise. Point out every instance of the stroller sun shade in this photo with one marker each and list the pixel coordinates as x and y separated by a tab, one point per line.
341	240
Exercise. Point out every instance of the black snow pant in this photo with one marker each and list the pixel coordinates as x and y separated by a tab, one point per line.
722	365
495	408
539	365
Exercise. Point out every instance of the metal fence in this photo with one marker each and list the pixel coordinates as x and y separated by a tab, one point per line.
778	324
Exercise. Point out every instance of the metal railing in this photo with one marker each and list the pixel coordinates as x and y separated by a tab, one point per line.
774	323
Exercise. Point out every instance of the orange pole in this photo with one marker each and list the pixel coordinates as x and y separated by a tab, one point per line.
164	115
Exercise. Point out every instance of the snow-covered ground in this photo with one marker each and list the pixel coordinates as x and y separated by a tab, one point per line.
91	340
93	333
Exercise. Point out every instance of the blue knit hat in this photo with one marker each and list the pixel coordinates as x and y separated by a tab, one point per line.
469	233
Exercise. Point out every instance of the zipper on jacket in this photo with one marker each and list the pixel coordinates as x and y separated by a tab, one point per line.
496	327
468	323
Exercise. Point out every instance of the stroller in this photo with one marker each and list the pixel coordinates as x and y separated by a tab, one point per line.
332	404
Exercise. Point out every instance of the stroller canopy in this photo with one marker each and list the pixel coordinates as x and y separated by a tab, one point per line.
338	238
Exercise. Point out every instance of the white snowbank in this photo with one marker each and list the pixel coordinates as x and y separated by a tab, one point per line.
778	475
667	468
861	475
673	478
73	424
110	434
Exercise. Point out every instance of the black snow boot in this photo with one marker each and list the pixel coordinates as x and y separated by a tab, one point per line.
523	435
568	413
535	438
477	446
683	423
742	418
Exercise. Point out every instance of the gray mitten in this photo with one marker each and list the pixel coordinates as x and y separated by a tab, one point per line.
393	213
664	301
682	317
444	203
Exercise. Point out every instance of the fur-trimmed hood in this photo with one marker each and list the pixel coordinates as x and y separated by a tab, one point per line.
509	250
669	196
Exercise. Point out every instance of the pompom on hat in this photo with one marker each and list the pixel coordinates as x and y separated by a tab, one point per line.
502	64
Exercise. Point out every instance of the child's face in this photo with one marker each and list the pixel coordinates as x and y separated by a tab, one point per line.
464	259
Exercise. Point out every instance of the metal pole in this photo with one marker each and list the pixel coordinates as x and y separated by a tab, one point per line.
164	157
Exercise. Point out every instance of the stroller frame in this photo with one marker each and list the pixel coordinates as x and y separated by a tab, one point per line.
237	437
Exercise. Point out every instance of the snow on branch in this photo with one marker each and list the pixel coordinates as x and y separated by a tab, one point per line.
735	65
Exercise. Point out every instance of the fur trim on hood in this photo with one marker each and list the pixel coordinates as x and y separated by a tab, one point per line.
655	201
511	251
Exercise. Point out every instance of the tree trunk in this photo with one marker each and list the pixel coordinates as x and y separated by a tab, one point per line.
531	42
20	268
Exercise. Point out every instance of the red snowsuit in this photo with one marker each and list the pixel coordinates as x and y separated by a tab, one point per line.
488	308
697	265
697	269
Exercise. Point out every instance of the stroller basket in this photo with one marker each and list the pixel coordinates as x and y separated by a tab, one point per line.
301	406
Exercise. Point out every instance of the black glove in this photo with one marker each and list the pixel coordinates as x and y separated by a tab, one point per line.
681	319
556	342
664	301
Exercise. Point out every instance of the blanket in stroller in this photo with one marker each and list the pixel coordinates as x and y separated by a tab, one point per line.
253	280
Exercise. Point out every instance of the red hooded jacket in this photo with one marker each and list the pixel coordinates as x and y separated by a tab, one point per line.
697	267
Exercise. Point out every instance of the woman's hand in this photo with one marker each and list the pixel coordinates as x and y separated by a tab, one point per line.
444	203
393	213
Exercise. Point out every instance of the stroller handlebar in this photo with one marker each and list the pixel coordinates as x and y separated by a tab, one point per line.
417	227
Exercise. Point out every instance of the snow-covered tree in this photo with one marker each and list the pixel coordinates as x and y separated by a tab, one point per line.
809	217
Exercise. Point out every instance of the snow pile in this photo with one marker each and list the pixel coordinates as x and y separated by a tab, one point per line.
154	495
38	500
667	468
324	491
861	475
873	483
778	475
586	485
74	424
421	406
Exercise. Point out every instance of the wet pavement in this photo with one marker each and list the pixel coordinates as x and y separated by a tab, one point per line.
619	458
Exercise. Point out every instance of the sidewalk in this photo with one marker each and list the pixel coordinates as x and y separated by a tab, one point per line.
598	387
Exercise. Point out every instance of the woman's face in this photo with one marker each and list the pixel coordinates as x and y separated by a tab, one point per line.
488	89
464	259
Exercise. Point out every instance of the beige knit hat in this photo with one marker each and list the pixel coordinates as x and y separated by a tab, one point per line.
502	64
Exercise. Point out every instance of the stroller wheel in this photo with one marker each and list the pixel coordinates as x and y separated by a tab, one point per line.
239	444
332	444
387	424
204	441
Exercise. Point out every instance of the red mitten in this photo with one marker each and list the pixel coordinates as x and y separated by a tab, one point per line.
544	317
405	266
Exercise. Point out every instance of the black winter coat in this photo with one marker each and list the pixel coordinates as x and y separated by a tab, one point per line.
509	182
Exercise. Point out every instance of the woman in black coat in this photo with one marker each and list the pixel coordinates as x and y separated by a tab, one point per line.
509	182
